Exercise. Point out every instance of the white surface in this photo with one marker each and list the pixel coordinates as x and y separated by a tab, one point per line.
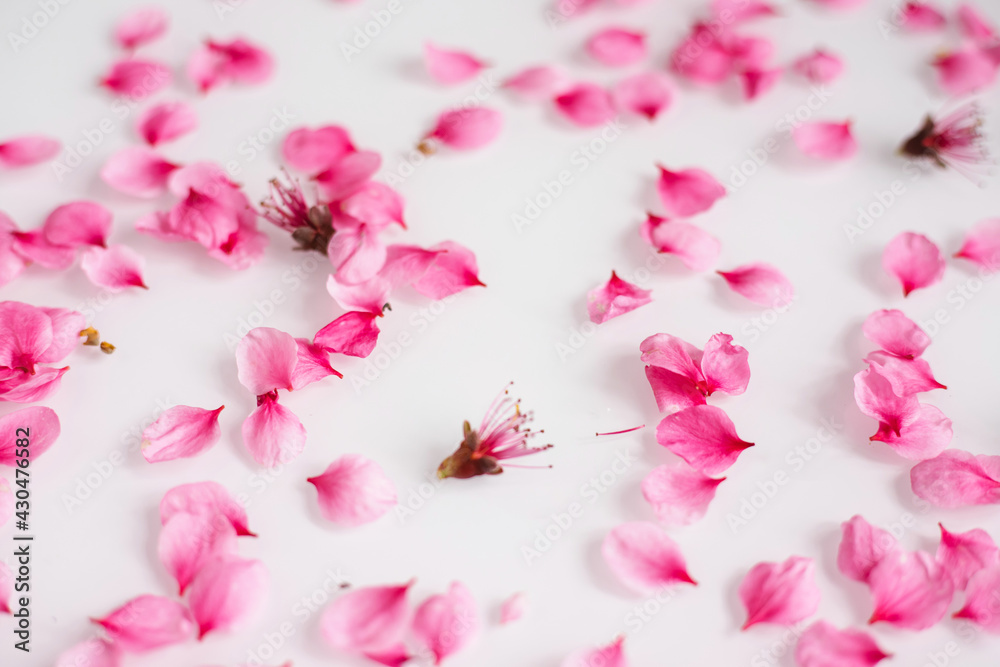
172	340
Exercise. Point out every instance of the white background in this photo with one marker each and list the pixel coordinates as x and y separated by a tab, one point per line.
172	339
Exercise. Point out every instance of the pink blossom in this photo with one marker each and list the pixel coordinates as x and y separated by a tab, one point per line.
761	283
688	192
226	593
823	645
538	83
909	590
914	260
954	141
353	333
782	593
205	499
28	150
180	432
148	622
37	425
467	129
612	655
756	81
703	57
965	71
188	542
354	490
114	268
645	94
141	26
136	78
446	623
681	375
78	223
913	430
449	66
921	17
615	298
166	121
956	478
862	547
895	333
368	621
512	609
702	435
819	66
617	46
982	245
643	557
980	599
678	493
586	105
693	246
236	61
962	555
825	140
138	171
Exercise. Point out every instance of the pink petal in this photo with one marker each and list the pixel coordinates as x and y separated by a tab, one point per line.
538	83
874	395
273	434
35	248
19	387
367	620
725	365
782	593
756	81
445	624
688	192
956	478
826	141
678	493
467	129
78	223
820	66
369	297
140	26
615	298
702	58
227	592
862	547
28	150
673	391
315	150
702	435
982	245
895	333
238	60
965	71
136	78
357	254
748	52
206	499
612	655
921	16
38	424
148	622
974	25
354	490
909	590
166	121
244	247
962	555
673	354
6	578
114	268
743	10
914	260
348	175
91	653
376	205
138	171
907	376
353	333
981	599
26	333
645	94
761	283
450	67
617	46
512	609
188	542
265	359
823	645
696	248
453	270
643	557
313	364
586	104
181	432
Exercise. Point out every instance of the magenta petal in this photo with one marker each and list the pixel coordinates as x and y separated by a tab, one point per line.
688	192
18	386
26	334
643	557
28	150
615	298
313	151
702	57
826	141
612	655
909	590
874	395
678	493
820	66
956	478
962	555
981	597
273	434
367	620
974	25
696	248
166	121
982	245
180	432
33	247
356	253
370	296
704	436
512	609
148	622
453	270
467	129
215	63
645	94
348	175
725	365
862	547
227	592
823	645
188	542
907	376
140	26
617	46
266	359
92	653
42	427
673	391
206	499
757	81
895	333
965	71
539	83
354	490
136	78
450	67
761	283
914	260
114	268
137	171
586	105
353	333
313	364
78	223
921	17
782	593
376	205
673	354
446	623
923	434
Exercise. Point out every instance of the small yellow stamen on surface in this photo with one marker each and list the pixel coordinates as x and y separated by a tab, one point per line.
107	348
93	336
426	147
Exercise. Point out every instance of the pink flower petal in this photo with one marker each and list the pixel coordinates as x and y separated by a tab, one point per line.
18	386
914	260
166	121
6	577
907	376
28	150
982	245
761	283
136	78
141	26
612	655
91	653
312	365
645	94
782	593
315	150
539	83
450	67
138	171
617	46
512	609
33	247
586	105
702	57
965	71
38	424
353	333
114	268
743	10
748	52
974	25
962	555
206	499
823	645
819	66
226	592
78	223
354	490
725	365
921	17
874	395
467	129
956	478
895	333
348	175
369	297
688	192
673	354
757	81
265	359
356	253
376	205
615	298
181	432
696	248
148	622
643	557
981	599
446	623
704	436
188	542
826	141
273	434
673	391
909	590
862	547
237	61
367	620
453	270
678	493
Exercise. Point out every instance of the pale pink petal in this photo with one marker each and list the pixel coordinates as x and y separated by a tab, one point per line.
823	645
921	17
38	424
914	260
18	386
273	434
6	512
449	66
148	622
313	151
78	223
743	10
238	60
761	283
645	94
704	436
702	58
673	354
826	141
981	599
673	391
114	268
6	576
895	333
354	490
612	655
367	620
975	25
758	81
907	376
348	175
313	364
91	653
819	66
227	592
140	26
206	499
688	192
26	333
696	248
749	52
244	247
28	150
208	178
138	171
376	205
136	78
965	71
453	270
956	478
446	623
782	593
188	542
353	333
181	432
512	609
617	46
615	298
586	105
964	554
910	590
467	129
166	121
862	547
982	245
265	359
369	297
874	395
356	253
33	247
725	365
678	493
643	557
539	83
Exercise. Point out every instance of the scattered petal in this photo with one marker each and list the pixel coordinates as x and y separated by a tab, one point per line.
704	436
450	67
981	599
965	71
826	141
586	105
181	432
539	83
823	645
78	223
612	655
148	622
266	359
982	245
512	609
757	81
114	268
643	557
136	78
28	150
353	333
38	424
962	555
688	192
678	493
820	66
91	653
895	333
354	490
617	47
188	542
956	478
921	17
206	499
782	593
226	592
467	129
367	620
166	121
862	547
645	94
914	260
615	298
761	283
452	270
273	434
909	590
141	26
693	246
446	623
